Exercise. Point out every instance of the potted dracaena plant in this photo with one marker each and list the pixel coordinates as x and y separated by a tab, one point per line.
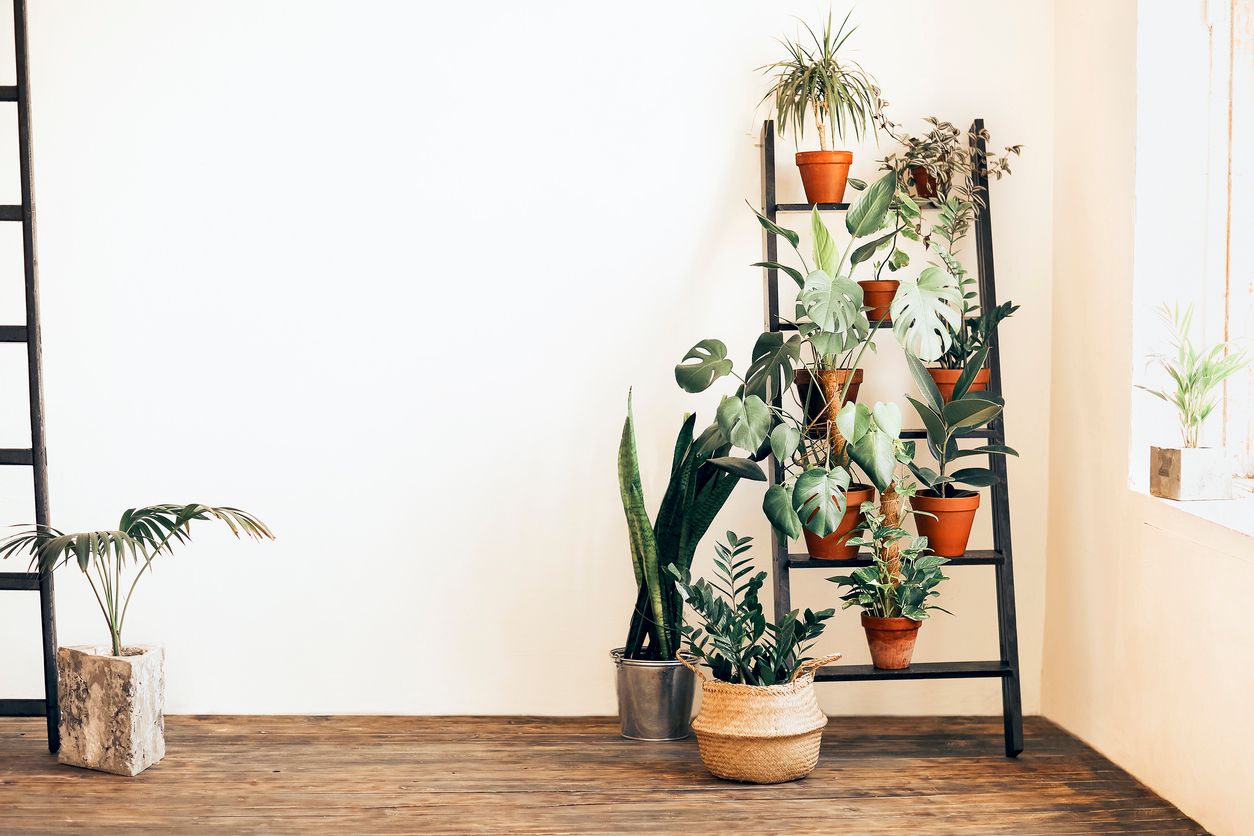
112	698
949	510
833	334
818	81
1192	471
895	591
760	720
655	691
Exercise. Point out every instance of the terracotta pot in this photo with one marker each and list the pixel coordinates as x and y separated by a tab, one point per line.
946	378
891	641
924	186
824	173
818	401
947	534
832	547
879	295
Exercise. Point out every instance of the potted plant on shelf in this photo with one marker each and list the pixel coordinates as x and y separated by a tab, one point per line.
973	339
941	161
112	698
760	720
817	81
950	510
895	591
1192	472
655	691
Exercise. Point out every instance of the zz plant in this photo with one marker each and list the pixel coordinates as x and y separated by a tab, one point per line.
106	557
735	639
702	478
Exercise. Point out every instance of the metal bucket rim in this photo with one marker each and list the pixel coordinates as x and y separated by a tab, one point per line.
617	655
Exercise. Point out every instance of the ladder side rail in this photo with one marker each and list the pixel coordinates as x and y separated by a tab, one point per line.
1007	626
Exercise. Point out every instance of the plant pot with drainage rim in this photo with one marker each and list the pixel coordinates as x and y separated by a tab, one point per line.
835	546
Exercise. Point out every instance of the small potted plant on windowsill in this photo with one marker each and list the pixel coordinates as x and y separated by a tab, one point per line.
895	591
760	720
1192	472
815	80
655	691
112	698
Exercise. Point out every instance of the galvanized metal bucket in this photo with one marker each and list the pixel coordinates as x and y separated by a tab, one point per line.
654	698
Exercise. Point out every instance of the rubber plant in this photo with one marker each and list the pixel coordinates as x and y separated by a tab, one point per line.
105	556
703	476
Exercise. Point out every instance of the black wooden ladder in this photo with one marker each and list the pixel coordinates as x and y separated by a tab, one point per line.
35	457
1005	668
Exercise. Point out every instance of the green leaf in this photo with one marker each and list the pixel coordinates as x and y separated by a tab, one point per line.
773	359
898	259
969	371
887	418
932	422
970	412
778	507
793	272
819	499
744	468
746	422
785	439
770	226
825	253
976	476
923	380
853	420
869	249
870	211
833	303
925	312
711	364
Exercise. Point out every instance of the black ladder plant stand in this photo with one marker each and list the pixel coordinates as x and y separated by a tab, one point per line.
1007	667
35	456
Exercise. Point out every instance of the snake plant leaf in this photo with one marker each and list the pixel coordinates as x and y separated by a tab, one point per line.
711	364
969	412
785	439
778	507
870	212
925	312
978	477
639	531
746	421
826	256
833	303
744	468
774	228
819	498
773	359
792	272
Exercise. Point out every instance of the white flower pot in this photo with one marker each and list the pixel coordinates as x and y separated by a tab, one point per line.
1190	473
112	708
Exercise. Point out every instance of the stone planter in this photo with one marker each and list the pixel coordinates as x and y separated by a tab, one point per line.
112	708
1190	473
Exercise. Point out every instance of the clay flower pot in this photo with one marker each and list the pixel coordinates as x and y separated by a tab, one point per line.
112	708
879	295
824	174
832	547
819	401
948	533
924	186
891	641
945	379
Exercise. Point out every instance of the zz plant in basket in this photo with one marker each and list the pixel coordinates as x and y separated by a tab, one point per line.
760	719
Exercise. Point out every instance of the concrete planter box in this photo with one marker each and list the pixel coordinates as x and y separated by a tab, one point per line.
112	708
1190	473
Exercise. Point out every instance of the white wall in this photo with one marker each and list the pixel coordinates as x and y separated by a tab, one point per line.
382	273
1140	661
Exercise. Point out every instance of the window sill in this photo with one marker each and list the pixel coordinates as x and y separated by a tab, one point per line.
1218	519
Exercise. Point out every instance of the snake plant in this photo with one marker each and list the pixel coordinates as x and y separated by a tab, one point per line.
702	478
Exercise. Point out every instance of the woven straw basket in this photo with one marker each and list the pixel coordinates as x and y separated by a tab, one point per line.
762	734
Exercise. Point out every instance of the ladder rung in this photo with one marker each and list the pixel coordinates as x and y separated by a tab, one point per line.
8	94
22	708
806	207
19	580
982	432
973	557
922	670
16	455
11	213
12	333
792	326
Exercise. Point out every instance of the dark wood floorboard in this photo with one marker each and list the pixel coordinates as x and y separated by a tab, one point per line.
507	775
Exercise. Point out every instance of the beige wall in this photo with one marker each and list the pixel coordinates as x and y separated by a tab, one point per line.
1148	644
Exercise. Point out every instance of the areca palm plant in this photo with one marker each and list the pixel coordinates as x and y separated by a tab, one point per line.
115	559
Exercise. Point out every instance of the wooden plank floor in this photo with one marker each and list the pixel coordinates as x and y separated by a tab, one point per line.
512	775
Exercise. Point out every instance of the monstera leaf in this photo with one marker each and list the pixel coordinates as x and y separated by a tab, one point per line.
871	434
925	312
819	499
773	358
778	507
745	421
833	303
711	364
785	439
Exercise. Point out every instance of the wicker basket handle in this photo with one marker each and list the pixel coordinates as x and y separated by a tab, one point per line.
689	665
813	665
